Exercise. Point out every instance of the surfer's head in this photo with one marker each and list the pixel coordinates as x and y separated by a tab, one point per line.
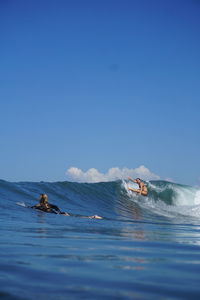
43	198
137	180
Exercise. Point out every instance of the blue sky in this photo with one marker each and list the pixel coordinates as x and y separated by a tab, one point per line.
99	84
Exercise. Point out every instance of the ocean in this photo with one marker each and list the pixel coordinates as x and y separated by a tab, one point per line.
143	248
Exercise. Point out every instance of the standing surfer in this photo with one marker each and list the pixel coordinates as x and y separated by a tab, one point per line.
142	187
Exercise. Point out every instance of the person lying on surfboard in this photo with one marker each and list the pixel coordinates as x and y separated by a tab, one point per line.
142	187
45	206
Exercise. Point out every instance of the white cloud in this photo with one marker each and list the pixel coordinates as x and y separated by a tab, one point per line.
93	175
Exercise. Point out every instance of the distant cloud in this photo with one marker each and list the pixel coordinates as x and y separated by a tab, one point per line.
93	175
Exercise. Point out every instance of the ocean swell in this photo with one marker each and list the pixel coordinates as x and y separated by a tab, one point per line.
109	199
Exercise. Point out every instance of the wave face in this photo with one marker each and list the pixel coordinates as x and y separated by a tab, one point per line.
47	256
106	198
170	199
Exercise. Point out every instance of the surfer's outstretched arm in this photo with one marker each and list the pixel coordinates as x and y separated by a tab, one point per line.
56	208
35	206
131	179
65	213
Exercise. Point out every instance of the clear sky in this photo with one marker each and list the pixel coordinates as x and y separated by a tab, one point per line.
99	84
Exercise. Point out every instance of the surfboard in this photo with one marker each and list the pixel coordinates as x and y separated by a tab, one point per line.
133	190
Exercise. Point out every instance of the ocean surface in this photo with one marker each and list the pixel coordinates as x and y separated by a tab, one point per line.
143	248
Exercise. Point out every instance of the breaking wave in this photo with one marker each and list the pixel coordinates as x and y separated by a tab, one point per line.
108	199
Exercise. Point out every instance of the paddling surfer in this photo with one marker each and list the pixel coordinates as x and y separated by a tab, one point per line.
45	206
142	187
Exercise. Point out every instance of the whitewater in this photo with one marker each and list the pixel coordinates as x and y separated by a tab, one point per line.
143	248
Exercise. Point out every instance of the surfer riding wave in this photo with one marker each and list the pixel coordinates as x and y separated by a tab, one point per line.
142	187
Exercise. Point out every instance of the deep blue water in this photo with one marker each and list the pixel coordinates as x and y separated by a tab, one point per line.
143	248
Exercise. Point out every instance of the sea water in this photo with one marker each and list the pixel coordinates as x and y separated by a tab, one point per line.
143	248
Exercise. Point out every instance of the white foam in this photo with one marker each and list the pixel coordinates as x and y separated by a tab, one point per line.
186	196
197	198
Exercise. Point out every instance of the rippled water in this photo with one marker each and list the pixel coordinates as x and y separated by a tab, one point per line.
133	253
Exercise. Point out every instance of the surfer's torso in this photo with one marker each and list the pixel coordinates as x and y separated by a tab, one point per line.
47	207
